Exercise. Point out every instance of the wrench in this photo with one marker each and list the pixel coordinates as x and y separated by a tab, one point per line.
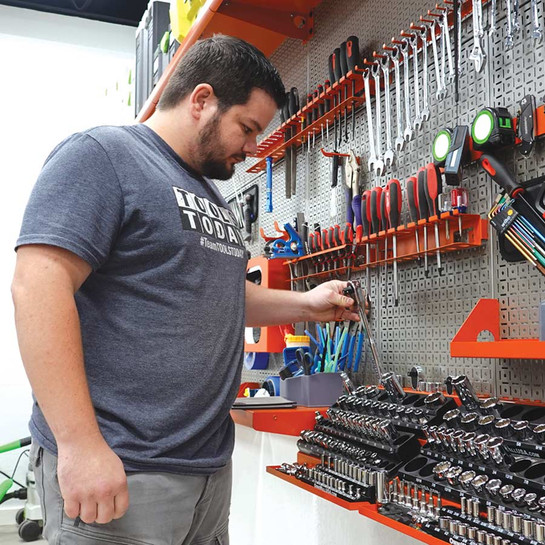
509	41
373	162
423	31
446	32
413	40
477	54
400	141
441	89
379	167
493	27
537	32
516	19
408	134
389	153
458	31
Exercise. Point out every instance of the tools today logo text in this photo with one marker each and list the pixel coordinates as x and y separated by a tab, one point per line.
203	216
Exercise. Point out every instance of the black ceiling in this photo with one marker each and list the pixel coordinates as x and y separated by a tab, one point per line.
122	12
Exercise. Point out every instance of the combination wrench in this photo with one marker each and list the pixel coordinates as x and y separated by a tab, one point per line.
516	17
509	39
537	31
446	32
413	41
441	92
400	140
374	162
408	133
379	167
477	54
389	153
493	10
423	31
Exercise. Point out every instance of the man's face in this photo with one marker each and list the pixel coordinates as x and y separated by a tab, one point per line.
228	137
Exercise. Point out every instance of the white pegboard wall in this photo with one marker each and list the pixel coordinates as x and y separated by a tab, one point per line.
431	309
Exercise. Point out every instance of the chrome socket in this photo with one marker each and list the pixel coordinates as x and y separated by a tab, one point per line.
468	421
503	427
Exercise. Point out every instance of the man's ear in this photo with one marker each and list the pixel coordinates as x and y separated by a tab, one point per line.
202	100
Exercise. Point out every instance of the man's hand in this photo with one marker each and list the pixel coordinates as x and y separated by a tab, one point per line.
327	303
92	481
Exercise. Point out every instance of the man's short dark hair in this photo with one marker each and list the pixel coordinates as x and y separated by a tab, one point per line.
231	66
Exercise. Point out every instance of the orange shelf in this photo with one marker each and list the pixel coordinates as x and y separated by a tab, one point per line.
475	228
255	21
281	421
486	317
363	508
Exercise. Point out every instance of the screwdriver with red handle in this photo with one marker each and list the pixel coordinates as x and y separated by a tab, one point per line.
376	194
366	224
423	210
385	225
393	211
434	187
411	195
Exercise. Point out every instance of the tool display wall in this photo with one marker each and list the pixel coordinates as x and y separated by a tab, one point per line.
431	309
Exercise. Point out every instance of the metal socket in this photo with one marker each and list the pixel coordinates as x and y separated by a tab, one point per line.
453	475
485	423
466	478
479	482
469	421
493	487
503	427
435	400
440	469
521	429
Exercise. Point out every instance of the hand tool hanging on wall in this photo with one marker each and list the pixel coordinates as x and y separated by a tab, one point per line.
477	54
269	202
526	125
284	116
441	91
411	196
423	34
423	210
294	107
281	248
344	72
374	163
250	210
394	55
457	155
537	31
492	128
393	211
384	61
404	47
379	167
366	223
384	226
353	59
413	41
434	187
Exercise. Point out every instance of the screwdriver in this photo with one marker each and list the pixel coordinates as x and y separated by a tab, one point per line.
318	244
384	221
338	75
434	188
284	116
308	118
411	194
393	210
327	107
325	246
293	109
344	71
366	221
353	60
423	211
356	210
321	109
376	194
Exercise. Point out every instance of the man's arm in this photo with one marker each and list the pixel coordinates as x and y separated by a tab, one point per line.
266	307
91	476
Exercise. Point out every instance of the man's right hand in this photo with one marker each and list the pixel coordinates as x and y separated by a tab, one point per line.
92	480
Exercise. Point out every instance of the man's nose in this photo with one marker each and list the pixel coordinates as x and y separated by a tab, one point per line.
250	146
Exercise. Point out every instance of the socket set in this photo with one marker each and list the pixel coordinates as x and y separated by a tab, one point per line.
340	477
420	502
407	412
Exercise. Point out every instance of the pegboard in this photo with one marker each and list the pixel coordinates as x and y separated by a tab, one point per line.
431	309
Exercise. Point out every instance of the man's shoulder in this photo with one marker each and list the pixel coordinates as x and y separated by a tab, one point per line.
111	135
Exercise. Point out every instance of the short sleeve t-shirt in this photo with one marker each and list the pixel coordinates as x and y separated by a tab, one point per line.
162	312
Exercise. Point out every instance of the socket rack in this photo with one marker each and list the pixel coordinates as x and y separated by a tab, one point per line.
275	144
479	476
455	232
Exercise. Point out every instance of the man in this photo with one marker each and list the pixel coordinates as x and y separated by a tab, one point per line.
130	302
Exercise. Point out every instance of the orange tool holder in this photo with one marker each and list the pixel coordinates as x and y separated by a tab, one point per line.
486	317
473	225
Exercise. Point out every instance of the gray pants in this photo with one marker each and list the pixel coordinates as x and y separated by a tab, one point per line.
165	509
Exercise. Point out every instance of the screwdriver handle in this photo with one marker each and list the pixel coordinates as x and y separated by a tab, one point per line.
366	212
356	209
337	64
318	237
422	201
344	60
411	194
336	232
393	202
376	193
435	187
292	101
331	68
353	52
500	174
383	212
325	239
312	243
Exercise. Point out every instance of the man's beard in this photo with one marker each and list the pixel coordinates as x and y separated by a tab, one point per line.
213	162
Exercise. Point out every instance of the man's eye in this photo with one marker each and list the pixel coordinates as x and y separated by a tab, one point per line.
246	129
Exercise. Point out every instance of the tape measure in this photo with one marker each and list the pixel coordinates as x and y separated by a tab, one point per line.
492	128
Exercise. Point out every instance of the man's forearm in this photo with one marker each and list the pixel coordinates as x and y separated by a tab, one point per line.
266	307
48	331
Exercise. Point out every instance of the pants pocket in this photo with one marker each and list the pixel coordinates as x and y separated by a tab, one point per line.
86	534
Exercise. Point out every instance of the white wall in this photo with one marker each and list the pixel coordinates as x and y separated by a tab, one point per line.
58	75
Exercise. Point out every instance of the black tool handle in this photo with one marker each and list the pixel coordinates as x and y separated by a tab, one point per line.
366	212
383	211
337	64
500	174
376	193
292	101
353	52
335	171
422	202
393	202
331	69
411	194
343	59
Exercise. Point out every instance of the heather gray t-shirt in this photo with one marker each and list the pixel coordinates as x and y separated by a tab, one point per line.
162	313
